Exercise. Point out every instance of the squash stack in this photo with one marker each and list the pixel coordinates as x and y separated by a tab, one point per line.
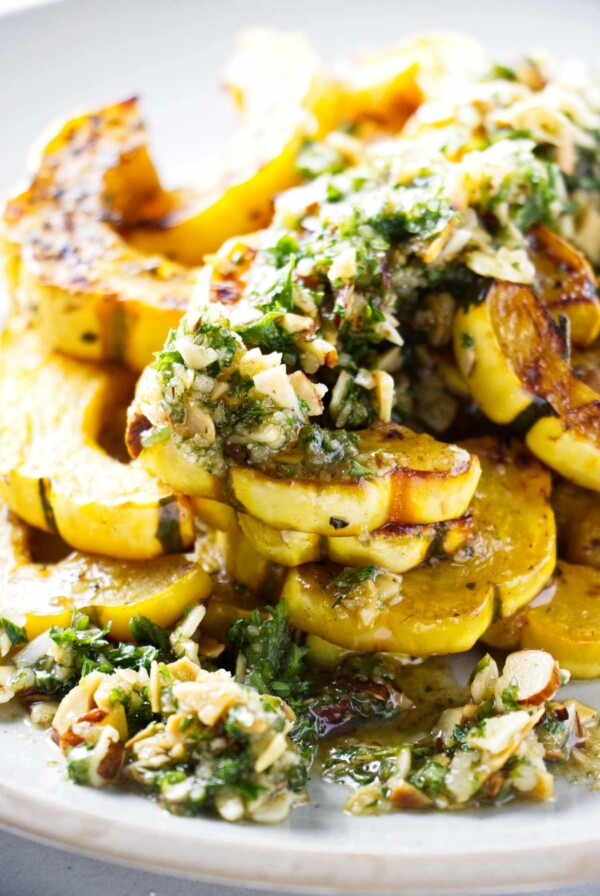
377	536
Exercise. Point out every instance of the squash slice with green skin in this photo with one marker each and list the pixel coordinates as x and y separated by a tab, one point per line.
444	607
93	296
397	547
53	473
415	480
38	595
512	355
284	97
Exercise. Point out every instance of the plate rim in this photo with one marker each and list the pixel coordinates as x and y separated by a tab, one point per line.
128	842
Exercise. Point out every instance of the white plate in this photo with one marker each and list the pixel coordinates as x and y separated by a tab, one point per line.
77	54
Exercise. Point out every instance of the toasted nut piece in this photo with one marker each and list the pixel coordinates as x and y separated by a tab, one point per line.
77	703
407	796
535	675
485	679
587	715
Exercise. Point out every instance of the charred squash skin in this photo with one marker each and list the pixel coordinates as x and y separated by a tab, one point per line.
513	357
54	474
93	296
566	284
38	595
445	607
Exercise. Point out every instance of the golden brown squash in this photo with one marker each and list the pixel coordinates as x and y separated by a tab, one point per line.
567	624
512	355
426	615
54	474
38	595
284	97
577	512
415	480
397	547
94	296
566	284
586	365
564	620
387	86
445	606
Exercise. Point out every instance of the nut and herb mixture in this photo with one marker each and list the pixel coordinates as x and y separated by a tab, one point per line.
322	323
157	717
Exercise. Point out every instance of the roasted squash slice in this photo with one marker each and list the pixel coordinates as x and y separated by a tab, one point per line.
247	567
93	295
54	474
445	606
568	624
284	97
428	614
38	595
564	620
513	356
566	284
396	547
415	480
389	85
227	605
586	365
577	512
215	514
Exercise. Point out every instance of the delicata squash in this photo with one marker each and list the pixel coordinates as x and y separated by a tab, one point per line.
396	547
577	512
284	97
94	296
444	606
38	595
566	284
512	355
54	474
407	478
387	86
564	619
412	479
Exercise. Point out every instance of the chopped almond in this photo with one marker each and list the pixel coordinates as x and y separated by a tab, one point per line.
534	675
407	796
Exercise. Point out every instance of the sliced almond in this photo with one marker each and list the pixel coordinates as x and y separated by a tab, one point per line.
76	703
588	716
500	733
384	389
534	675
